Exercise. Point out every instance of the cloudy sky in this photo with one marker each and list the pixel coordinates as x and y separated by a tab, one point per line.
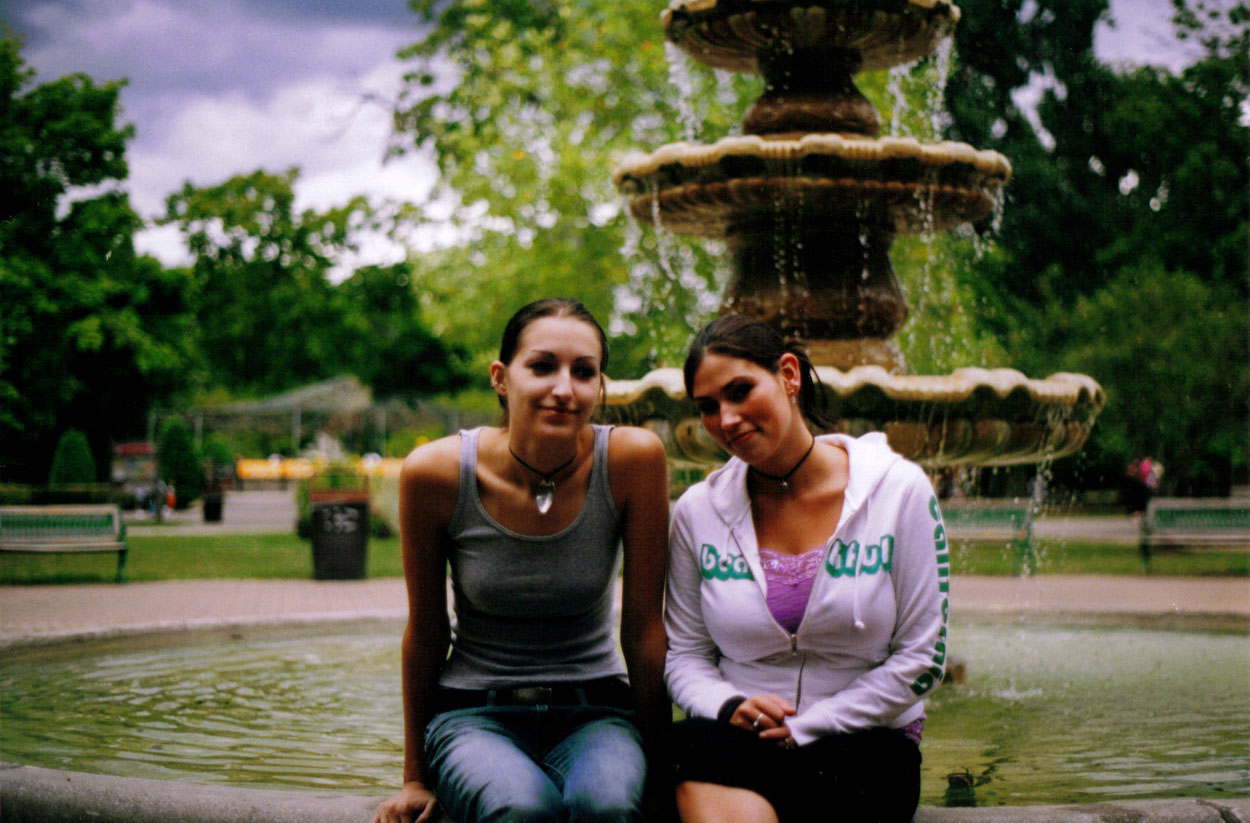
222	87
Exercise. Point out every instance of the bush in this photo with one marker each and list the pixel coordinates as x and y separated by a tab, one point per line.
72	462
180	463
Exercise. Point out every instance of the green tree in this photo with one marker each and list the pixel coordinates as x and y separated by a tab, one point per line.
1162	344
1129	196
266	308
270	317
386	341
179	462
526	107
91	334
72	461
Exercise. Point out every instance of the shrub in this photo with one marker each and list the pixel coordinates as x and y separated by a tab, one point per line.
72	461
179	462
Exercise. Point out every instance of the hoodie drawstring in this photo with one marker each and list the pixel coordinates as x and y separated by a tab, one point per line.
855	580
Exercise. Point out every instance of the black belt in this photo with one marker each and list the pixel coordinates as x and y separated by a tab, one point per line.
607	691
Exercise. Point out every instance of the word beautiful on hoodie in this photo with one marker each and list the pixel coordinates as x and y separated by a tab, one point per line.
841	560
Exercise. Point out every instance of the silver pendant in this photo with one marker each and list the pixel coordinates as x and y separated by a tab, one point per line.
785	487
543	496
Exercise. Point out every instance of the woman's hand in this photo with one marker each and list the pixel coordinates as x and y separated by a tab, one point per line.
766	715
414	803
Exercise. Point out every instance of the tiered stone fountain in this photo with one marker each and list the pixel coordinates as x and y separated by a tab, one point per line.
809	199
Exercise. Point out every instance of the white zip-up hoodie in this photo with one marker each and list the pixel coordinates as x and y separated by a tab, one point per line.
872	641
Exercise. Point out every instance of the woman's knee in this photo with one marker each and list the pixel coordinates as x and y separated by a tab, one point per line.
699	802
544	809
590	807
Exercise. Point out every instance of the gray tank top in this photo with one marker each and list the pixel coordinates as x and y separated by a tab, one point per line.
532	609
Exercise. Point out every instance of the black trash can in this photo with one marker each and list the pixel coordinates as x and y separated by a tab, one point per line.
340	539
212	506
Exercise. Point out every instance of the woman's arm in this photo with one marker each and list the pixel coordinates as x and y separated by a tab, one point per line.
427	498
638	471
918	644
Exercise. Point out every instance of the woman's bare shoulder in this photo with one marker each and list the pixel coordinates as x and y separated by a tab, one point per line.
433	465
632	445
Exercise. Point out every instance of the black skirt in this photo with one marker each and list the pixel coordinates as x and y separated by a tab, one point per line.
871	776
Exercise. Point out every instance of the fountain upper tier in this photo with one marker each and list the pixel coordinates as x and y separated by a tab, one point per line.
738	35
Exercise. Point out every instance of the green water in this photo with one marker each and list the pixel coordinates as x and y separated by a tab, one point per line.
1047	714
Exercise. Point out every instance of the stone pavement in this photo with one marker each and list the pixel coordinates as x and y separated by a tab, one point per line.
41	614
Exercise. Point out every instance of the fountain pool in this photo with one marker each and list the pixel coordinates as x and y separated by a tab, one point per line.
1049	714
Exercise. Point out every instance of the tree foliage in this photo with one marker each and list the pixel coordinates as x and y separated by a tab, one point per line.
1123	246
270	317
526	107
260	280
91	334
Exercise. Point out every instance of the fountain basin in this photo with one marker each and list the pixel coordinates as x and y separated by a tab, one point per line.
1049	713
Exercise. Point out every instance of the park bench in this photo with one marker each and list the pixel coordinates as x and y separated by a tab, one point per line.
64	530
1005	521
1186	523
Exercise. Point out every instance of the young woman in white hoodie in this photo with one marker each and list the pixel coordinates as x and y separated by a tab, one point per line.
807	601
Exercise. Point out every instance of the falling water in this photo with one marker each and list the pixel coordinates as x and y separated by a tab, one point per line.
936	94
895	78
679	76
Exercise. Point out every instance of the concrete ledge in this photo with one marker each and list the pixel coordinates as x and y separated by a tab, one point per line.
35	795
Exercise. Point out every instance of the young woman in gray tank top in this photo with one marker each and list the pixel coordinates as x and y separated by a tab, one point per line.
530	717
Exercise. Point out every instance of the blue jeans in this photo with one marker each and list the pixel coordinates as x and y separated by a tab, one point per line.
537	764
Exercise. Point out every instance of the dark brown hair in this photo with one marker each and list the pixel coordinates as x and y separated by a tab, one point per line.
547	307
734	335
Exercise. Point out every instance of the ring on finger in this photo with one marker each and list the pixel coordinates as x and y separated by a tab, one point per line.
759	719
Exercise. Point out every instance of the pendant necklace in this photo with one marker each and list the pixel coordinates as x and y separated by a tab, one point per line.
545	492
783	480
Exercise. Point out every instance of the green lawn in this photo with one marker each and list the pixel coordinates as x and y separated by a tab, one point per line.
171	557
174	557
1079	557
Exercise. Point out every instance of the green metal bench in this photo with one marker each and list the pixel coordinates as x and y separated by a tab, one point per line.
64	530
1006	521
1185	523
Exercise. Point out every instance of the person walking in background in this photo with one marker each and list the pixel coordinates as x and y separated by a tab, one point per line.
1141	481
807	601
530	718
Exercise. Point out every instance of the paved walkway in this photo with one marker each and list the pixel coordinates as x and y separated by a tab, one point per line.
37	614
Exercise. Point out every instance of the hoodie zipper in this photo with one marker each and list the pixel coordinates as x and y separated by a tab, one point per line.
798	686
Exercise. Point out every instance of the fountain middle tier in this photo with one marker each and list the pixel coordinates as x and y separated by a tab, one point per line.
911	187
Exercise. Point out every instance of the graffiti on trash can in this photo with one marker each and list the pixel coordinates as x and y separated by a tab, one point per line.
340	519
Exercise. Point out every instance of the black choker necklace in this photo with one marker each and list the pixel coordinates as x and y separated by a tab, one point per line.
546	489
783	479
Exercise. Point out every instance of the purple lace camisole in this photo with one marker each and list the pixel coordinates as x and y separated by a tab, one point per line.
789	578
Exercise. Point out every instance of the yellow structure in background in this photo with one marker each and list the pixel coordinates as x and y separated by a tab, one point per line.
301	468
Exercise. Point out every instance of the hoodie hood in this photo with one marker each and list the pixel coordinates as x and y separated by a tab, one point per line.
870	459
